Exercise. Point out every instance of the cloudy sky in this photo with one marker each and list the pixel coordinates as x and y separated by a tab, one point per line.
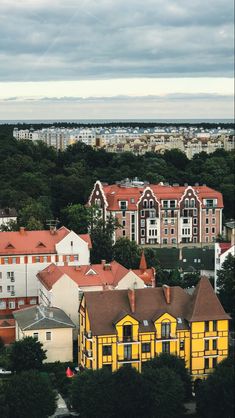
79	59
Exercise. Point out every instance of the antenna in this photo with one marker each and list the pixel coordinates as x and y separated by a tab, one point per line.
52	223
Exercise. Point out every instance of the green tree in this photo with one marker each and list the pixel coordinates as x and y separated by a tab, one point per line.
102	232
79	218
27	354
92	393
226	285
127	253
28	395
215	395
174	363
166	392
35	213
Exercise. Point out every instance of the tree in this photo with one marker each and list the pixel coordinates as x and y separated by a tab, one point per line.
77	218
102	232
28	395
166	392
92	393
226	285
175	364
27	354
215	395
127	253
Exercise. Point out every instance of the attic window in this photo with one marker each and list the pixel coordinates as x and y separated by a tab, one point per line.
179	320
91	272
9	245
145	322
40	244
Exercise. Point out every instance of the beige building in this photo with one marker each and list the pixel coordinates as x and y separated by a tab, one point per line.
51	326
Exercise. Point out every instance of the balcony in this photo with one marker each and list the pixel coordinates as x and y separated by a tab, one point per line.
167	337
128	359
88	335
88	353
128	340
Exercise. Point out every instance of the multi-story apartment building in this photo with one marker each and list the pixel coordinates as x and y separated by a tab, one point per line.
23	254
132	326
159	213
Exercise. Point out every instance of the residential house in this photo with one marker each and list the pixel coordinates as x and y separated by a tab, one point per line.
132	326
51	326
63	286
7	215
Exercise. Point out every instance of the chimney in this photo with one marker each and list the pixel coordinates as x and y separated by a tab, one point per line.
131	297
52	230
167	293
22	230
143	264
153	280
107	267
103	262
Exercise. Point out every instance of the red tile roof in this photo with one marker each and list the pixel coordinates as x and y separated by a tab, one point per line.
33	242
224	246
115	193
88	275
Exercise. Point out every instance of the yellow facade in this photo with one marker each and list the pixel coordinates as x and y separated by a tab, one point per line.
201	344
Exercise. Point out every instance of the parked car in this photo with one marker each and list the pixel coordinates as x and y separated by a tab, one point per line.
4	371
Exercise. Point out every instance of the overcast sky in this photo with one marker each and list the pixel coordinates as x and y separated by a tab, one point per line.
116	59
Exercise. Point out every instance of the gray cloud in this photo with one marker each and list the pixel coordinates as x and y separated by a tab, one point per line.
84	39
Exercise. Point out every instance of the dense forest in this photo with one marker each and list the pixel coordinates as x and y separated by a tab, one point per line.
41	182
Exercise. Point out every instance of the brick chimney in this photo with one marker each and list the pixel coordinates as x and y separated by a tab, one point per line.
103	262
167	293
22	230
131	297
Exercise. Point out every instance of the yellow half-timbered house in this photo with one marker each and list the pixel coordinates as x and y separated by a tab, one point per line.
120	327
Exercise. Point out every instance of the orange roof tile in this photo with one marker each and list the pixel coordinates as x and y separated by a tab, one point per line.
115	193
34	242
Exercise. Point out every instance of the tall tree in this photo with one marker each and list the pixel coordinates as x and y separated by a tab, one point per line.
127	253
28	395
102	233
27	354
226	285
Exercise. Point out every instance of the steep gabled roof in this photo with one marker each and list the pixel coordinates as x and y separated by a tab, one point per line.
205	305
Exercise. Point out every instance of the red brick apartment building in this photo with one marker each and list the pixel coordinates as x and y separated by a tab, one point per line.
160	213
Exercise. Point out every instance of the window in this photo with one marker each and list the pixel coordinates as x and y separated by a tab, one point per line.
173	240
142	223
44	259
13	260
166	347
165	204
213	220
127	332
214	325
10	289
152	222
206	363
165	241
195	230
145	203
151	203
207	230
6	260
172	231
2	304
165	231
123	205
11	304
48	336
37	259
75	257
124	233
127	352
181	344
206	345
142	213
123	214
194	212
133	218
10	275
214	362
206	326
0	289
186	203
35	335
165	221
166	329
172	222
207	220
123	223
192	203
20	302
132	200
142	232
145	347
195	221
213	230
107	350
32	302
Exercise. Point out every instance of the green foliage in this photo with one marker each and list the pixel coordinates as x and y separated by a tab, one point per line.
226	285
102	232
127	253
27	354
58	378
77	218
166	392
215	395
27	395
173	363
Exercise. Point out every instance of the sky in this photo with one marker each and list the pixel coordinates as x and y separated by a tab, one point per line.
116	59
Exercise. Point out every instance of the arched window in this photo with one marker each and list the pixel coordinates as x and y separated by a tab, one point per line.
145	203
151	203
192	203
186	203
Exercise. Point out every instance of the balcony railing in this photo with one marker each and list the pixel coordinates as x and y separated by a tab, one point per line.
128	339
128	359
88	335
88	353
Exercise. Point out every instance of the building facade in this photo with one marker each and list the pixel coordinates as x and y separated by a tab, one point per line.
133	326
161	214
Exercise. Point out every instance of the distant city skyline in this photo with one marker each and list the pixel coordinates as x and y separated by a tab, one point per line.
116	60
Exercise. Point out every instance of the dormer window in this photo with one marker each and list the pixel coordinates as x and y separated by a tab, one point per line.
166	329
127	332
123	205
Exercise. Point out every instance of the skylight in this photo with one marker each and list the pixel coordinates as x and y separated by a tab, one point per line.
145	322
